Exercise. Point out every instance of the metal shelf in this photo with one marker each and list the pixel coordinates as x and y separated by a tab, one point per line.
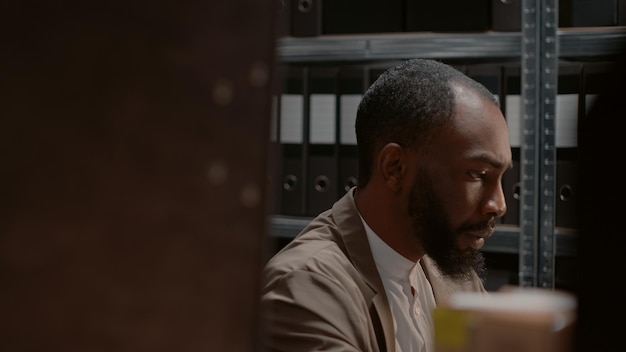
597	42
573	42
399	46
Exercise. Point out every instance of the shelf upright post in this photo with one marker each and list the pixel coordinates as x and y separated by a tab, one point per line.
547	195
538	153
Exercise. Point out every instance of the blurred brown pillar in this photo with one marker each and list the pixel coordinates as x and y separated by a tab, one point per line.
133	145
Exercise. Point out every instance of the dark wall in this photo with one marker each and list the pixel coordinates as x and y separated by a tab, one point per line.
133	153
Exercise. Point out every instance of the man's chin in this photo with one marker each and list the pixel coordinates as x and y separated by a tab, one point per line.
471	241
462	267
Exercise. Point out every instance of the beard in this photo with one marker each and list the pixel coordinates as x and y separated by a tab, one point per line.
433	230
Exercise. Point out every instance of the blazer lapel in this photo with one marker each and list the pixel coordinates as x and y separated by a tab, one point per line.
358	250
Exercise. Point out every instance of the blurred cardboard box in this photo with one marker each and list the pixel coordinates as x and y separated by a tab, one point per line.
513	319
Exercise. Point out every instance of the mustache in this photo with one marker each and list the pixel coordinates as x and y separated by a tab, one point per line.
483	226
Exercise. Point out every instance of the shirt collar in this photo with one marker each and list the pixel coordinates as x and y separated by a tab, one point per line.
389	262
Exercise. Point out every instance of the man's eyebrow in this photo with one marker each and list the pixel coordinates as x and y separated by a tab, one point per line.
486	158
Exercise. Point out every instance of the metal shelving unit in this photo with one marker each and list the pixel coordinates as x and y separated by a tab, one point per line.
573	43
538	47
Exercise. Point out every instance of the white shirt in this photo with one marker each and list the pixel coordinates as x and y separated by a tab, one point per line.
412	311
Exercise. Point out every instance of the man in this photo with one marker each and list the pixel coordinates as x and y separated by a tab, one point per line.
366	274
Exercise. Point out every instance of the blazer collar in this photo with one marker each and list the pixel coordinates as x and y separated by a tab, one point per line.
358	250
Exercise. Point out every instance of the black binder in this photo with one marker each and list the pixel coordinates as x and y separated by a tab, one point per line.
510	103
588	13
274	177
567	190
290	134
595	76
512	189
352	85
321	184
568	112
362	16
447	16
488	75
374	71
569	104
306	18
506	15
283	18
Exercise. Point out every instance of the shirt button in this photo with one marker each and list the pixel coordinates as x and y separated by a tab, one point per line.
417	310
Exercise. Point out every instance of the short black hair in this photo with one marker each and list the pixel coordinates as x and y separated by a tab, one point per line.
405	105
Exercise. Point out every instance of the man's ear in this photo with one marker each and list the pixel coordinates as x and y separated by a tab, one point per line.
392	165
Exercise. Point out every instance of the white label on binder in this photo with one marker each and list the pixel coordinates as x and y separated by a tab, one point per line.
513	115
323	117
349	104
566	128
291	118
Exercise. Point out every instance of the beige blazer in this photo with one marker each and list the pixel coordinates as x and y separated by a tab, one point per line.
322	292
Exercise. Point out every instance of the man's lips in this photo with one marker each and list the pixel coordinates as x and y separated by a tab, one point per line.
484	232
474	236
476	239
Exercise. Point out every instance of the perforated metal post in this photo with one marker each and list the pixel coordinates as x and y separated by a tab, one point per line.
538	153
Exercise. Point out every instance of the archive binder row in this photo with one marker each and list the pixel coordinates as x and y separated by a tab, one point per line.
308	18
314	118
315	114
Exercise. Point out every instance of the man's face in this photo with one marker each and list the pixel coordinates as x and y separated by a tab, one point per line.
434	230
456	193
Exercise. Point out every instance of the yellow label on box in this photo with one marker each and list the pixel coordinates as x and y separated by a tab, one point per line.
451	328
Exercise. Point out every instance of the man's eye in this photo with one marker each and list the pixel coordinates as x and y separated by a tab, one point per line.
478	174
